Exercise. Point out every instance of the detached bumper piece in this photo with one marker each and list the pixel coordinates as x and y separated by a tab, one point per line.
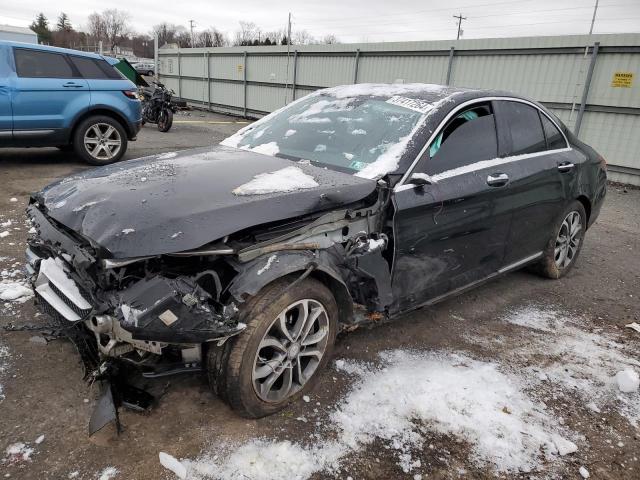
116	392
173	311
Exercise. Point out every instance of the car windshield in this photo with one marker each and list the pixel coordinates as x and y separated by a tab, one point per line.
348	134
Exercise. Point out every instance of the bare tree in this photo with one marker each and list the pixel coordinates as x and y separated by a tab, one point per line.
329	39
96	27
166	32
110	26
302	37
116	24
248	33
211	37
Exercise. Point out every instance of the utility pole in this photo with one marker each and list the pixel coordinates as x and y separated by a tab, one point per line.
460	18
593	20
286	85
192	23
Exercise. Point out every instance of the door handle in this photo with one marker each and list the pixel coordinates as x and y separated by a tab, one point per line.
71	85
565	167
497	179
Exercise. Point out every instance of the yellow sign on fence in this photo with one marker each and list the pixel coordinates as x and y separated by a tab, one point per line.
622	79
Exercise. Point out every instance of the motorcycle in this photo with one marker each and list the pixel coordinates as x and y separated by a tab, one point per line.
157	107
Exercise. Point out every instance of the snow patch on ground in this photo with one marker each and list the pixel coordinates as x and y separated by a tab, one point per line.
167	155
289	133
394	402
5	356
288	179
11	291
580	361
108	473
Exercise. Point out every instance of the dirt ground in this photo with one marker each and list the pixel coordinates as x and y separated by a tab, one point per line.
44	393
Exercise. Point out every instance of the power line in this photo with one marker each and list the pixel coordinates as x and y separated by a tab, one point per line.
314	24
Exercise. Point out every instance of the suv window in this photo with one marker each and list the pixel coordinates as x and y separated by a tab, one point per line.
525	127
94	69
39	64
468	138
554	137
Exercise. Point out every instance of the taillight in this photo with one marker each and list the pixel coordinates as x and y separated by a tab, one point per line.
131	94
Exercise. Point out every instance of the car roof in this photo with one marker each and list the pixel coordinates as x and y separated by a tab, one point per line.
426	92
48	48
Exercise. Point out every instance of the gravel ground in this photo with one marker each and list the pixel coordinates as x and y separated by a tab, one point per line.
43	392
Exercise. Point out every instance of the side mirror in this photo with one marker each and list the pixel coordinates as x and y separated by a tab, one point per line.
420	179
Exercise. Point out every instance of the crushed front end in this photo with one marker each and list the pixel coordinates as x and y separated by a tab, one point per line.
154	314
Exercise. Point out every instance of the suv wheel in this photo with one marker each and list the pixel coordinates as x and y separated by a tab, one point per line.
288	341
564	243
150	73
100	140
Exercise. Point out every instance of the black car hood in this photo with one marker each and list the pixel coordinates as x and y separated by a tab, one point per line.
174	202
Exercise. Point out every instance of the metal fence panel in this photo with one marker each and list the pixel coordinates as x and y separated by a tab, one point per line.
252	81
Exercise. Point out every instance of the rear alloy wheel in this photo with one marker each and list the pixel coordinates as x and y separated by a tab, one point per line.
564	246
100	140
288	341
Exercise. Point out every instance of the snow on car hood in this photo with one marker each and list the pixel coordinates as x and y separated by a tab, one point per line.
161	204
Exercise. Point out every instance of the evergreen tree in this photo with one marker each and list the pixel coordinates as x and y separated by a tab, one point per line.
41	26
64	24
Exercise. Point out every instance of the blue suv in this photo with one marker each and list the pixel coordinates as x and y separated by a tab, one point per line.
67	99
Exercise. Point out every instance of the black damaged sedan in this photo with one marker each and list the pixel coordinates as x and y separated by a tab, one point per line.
354	203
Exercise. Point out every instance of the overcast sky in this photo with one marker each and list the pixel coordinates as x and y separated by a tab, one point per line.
356	20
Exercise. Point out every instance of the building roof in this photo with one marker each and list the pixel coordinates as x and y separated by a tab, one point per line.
14	29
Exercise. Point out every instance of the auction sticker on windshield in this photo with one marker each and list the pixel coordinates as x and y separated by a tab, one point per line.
411	103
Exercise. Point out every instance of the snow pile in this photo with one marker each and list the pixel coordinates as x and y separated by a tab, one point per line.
627	381
167	155
5	355
288	179
108	473
17	453
451	394
260	460
171	463
289	133
585	363
14	291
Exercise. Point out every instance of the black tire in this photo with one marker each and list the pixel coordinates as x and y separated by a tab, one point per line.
165	120
230	368
150	73
554	265
102	123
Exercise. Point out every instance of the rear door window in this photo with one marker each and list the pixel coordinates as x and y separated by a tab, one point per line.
554	137
40	64
92	68
470	137
525	127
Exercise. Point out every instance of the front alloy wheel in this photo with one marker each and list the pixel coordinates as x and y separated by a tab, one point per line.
288	340
291	350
